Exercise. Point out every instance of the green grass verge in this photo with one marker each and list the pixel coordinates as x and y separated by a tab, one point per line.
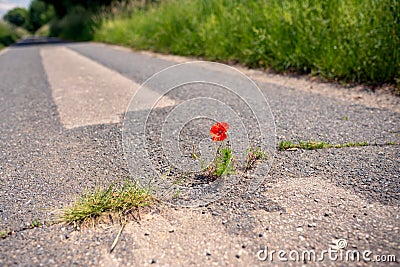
113	201
355	41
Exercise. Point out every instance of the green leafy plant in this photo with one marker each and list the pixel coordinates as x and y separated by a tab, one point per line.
222	164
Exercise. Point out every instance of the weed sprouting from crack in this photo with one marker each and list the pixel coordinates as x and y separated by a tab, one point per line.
391	143
4	234
112	202
36	223
252	156
311	145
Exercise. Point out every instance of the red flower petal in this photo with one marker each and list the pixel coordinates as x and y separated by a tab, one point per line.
218	131
221	137
225	125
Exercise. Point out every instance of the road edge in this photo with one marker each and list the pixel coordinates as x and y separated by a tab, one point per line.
380	97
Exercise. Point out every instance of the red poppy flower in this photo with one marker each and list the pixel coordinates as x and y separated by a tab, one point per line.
218	131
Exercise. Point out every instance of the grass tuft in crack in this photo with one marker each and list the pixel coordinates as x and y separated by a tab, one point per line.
310	145
112	201
36	223
392	143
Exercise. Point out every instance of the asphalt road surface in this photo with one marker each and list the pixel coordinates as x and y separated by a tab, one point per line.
61	110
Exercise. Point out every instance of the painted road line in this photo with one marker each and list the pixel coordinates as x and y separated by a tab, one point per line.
88	93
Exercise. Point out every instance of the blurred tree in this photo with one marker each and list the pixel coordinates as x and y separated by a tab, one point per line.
17	16
40	13
62	7
75	17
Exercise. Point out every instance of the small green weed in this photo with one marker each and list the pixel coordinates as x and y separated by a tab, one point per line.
350	144
3	234
285	145
36	223
252	155
177	193
391	143
310	145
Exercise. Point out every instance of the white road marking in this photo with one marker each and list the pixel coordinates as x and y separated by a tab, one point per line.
3	51
87	93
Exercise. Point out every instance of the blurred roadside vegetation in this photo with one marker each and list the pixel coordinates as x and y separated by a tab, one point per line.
344	40
19	22
10	33
38	14
67	19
